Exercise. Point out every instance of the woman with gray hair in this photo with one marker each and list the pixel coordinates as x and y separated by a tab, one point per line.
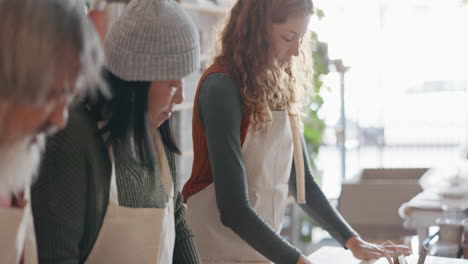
115	194
49	52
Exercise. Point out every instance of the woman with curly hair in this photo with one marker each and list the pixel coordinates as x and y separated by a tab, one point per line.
248	148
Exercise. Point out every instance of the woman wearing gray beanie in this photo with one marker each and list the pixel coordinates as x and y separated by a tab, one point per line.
107	192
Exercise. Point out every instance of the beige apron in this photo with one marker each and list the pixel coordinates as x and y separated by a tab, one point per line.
137	235
267	160
17	236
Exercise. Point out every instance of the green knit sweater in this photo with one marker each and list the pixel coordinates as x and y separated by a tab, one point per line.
70	198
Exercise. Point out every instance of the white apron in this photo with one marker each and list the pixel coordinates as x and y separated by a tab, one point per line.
137	235
267	160
17	236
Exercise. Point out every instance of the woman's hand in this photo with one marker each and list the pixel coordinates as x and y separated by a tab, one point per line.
304	260
365	250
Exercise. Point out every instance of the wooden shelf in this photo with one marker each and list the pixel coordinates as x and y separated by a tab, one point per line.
206	9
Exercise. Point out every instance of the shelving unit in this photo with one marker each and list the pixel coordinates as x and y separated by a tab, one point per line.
212	10
206	17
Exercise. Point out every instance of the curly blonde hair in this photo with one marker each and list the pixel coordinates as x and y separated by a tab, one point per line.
244	46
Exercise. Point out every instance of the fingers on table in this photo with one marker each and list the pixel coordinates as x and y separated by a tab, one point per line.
397	249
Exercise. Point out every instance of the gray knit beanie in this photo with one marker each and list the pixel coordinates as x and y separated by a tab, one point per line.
153	40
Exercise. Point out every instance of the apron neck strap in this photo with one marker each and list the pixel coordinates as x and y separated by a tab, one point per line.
113	191
164	170
298	160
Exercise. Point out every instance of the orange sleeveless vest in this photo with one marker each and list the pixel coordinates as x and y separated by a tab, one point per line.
202	175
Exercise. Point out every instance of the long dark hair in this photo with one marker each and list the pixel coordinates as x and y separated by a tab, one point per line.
126	116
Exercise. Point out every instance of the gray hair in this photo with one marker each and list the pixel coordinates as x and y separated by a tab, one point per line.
34	37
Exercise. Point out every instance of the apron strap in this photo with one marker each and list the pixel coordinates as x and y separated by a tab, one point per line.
164	169
113	191
298	160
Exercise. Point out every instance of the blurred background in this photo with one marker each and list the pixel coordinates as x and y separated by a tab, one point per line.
387	126
389	109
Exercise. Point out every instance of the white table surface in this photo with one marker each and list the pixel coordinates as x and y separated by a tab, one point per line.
421	211
337	255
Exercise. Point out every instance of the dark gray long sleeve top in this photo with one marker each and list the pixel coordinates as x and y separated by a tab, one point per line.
220	112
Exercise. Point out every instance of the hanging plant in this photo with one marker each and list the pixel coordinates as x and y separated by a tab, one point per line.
314	124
